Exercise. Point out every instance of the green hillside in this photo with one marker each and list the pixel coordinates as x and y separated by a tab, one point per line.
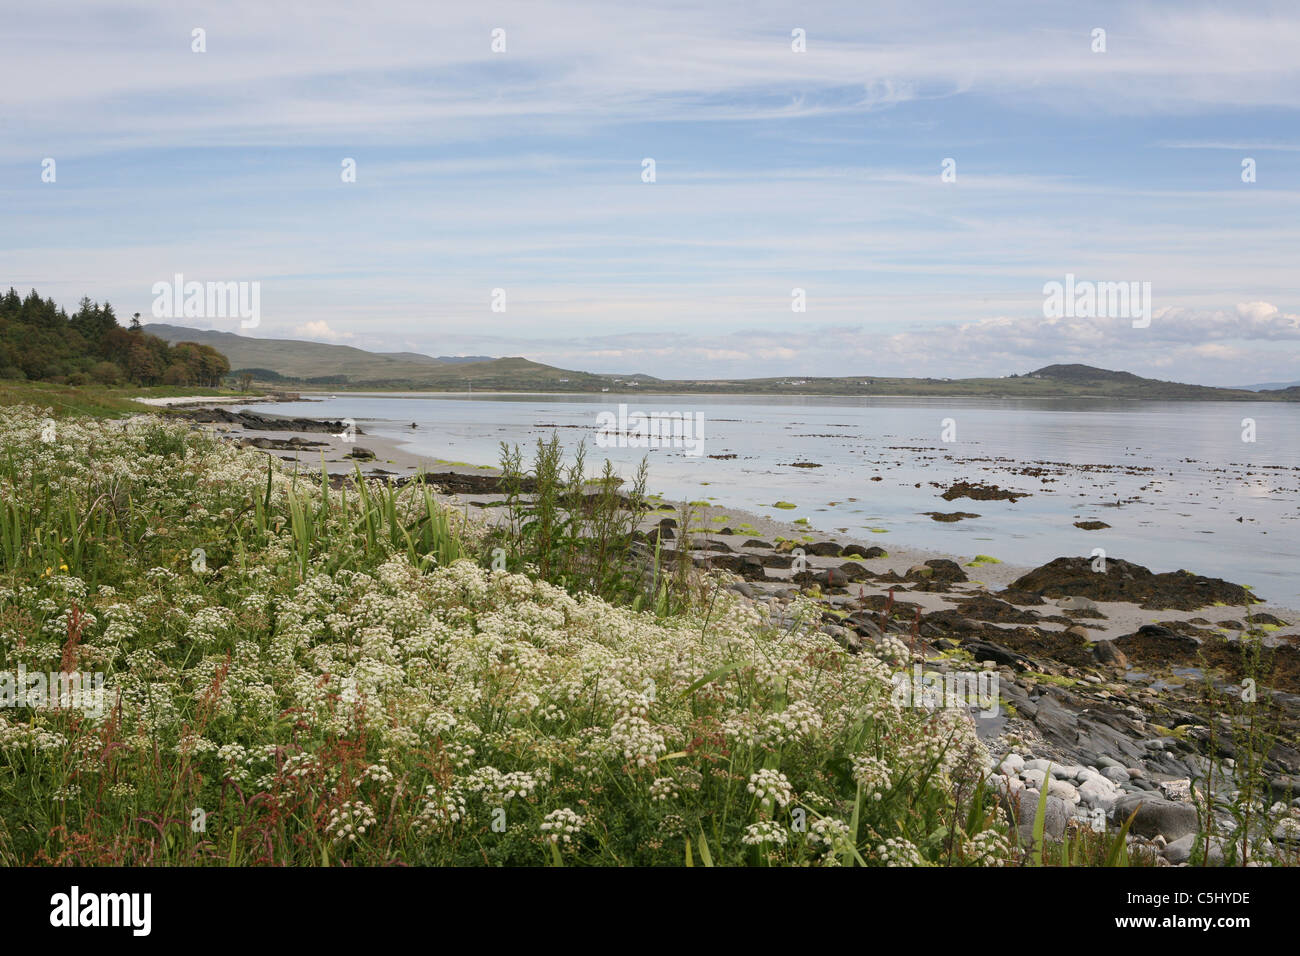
305	363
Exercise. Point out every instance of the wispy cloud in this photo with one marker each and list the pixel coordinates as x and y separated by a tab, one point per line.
775	170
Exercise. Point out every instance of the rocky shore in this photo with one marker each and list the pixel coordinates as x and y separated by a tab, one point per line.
1112	713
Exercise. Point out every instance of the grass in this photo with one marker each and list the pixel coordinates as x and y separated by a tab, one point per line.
339	675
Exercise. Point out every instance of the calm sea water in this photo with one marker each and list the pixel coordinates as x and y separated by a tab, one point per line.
1176	481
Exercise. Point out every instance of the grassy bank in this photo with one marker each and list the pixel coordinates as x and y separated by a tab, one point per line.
95	400
302	675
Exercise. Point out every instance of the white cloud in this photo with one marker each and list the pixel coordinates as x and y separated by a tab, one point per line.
320	331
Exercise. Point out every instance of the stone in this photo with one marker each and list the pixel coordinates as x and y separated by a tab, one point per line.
1107	653
1156	815
1066	791
1098	792
1180	850
823	549
857	550
1012	764
1115	774
1055	815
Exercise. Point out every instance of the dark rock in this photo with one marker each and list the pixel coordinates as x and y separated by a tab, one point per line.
1125	581
855	572
949	515
1107	653
823	549
981	492
1156	816
988	651
858	551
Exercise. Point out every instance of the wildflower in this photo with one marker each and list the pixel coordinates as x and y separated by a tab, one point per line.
763	832
350	821
561	825
771	785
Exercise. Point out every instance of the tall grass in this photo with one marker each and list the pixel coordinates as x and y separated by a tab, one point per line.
575	531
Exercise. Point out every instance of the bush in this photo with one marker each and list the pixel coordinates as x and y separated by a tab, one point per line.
106	373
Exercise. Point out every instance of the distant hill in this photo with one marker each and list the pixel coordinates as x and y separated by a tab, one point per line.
286	362
1269	386
293	361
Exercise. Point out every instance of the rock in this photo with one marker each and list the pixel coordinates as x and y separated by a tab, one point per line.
1115	774
1098	792
1066	791
984	650
756	543
1180	850
1012	764
1107	653
823	549
857	550
981	492
1156	815
1125	581
1176	790
360	454
854	572
945	570
1055	815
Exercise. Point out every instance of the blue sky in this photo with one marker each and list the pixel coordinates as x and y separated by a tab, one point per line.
775	170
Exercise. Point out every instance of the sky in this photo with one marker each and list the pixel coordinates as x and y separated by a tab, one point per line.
823	169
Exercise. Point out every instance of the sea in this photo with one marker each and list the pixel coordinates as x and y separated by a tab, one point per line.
1211	487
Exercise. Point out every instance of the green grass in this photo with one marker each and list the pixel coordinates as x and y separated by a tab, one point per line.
97	400
292	658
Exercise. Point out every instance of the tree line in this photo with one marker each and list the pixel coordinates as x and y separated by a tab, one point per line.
40	341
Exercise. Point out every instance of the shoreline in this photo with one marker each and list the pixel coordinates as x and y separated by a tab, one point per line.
1109	695
392	458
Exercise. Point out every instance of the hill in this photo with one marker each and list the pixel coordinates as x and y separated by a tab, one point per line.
1269	386
301	360
293	361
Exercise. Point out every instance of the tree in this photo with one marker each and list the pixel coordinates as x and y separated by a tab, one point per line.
177	374
106	373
